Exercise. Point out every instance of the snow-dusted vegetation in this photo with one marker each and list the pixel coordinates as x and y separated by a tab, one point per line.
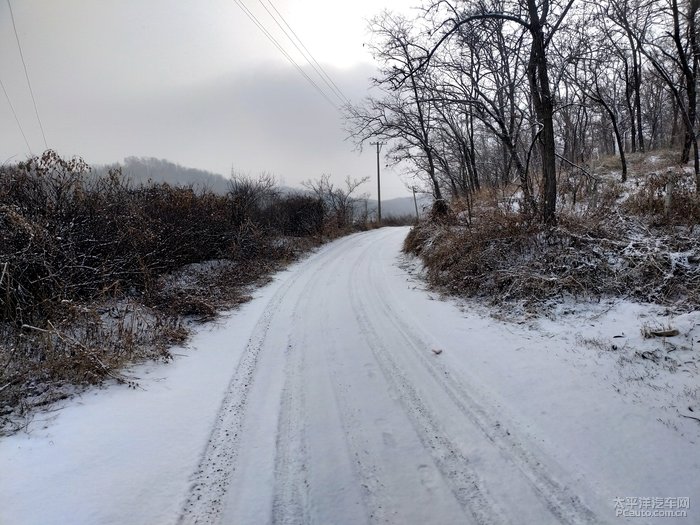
526	353
559	142
97	273
618	240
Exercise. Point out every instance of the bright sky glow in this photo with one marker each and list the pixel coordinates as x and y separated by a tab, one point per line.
194	82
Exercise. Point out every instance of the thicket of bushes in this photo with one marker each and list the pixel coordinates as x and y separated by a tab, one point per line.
91	267
66	236
638	240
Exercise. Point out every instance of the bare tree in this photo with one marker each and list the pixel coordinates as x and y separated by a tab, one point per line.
340	201
483	82
404	115
596	75
625	17
490	92
667	36
542	20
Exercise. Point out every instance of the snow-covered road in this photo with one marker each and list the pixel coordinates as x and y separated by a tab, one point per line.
345	394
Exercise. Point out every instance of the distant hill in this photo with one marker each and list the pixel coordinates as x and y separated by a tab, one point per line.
140	170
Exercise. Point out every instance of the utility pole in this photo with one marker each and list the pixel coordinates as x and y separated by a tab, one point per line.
379	184
415	202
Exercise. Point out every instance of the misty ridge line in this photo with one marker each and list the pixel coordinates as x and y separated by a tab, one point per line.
142	170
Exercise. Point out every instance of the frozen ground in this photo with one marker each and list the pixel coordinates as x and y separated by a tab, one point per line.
346	393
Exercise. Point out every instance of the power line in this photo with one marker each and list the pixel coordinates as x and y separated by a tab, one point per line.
272	39
335	86
26	75
305	52
16	119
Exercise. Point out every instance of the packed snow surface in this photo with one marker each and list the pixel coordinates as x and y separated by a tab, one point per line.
345	393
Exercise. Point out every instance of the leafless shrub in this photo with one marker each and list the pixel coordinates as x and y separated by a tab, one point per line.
587	196
399	220
249	197
419	238
338	202
87	344
71	243
299	215
503	257
668	198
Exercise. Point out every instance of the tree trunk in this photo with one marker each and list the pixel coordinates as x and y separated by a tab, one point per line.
473	172
630	108
637	87
538	77
674	128
618	139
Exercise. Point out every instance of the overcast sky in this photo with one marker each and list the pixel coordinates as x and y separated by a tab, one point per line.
191	81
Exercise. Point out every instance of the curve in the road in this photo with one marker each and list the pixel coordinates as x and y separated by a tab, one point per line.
339	413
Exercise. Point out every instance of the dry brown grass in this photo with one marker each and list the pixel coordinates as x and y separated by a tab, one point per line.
605	244
87	344
666	197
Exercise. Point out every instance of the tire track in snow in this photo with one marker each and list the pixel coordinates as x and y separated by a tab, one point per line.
367	470
290	496
291	458
212	478
564	504
454	466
